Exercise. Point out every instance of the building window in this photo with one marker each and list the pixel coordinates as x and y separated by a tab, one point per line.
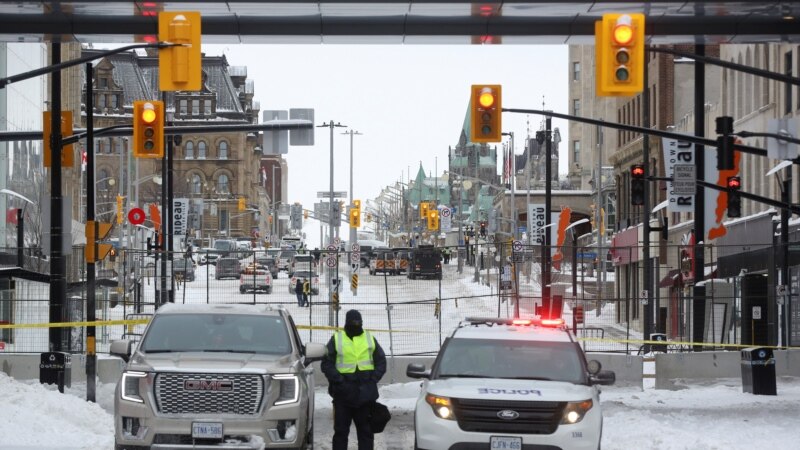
101	101
576	107
118	143
189	150
195	107
197	184
223	150
102	83
787	96
184	105
223	220
576	71
207	107
201	150
576	152
114	100
222	185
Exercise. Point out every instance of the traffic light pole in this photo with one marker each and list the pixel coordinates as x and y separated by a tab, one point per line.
58	285
162	297
648	263
698	290
547	207
91	273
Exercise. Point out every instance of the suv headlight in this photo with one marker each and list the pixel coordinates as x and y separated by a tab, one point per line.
574	411
442	406
130	386
289	389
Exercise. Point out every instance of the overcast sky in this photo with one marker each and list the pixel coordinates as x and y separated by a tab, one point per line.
409	101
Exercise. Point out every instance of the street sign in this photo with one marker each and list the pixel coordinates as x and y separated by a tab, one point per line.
590	256
643	296
331	248
136	216
683	179
337	242
445	212
355	257
336	194
756	313
330	261
354	247
517	246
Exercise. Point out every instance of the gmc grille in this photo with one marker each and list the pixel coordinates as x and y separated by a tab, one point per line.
208	393
481	416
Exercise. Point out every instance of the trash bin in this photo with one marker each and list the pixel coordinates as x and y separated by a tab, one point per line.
56	368
758	371
661	337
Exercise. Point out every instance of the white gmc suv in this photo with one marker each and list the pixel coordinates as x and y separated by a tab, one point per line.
509	384
216	377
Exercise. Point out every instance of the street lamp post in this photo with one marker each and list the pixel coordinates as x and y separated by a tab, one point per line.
331	125
513	182
353	232
575	256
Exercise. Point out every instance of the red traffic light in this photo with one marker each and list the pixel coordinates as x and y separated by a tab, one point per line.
734	183
637	171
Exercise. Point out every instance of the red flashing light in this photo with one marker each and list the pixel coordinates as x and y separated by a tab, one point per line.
552	322
734	182
521	322
150	39
637	171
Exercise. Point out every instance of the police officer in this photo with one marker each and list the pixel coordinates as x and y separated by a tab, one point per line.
354	365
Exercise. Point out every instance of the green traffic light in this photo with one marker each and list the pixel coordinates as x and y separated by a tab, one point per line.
486	129
622	74
148	145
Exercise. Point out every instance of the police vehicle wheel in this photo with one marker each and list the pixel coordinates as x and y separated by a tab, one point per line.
241	290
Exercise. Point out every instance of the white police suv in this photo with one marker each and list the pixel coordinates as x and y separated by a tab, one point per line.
509	384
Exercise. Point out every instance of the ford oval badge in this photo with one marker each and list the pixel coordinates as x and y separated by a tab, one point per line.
507	414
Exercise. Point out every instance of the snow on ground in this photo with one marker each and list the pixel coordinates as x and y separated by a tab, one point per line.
718	416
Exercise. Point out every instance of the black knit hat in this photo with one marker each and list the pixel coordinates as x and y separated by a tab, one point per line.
352	316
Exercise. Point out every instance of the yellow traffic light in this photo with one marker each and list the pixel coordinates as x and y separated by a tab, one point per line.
242	204
95	232
120	210
433	219
485	113
369	217
355	217
423	210
619	50
180	67
357	204
148	129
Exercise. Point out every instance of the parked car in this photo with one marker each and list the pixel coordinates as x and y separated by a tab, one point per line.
285	259
184	269
255	386
426	261
257	279
402	256
302	262
308	276
227	268
269	263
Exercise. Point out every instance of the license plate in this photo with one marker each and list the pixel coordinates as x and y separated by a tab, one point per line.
505	443
213	430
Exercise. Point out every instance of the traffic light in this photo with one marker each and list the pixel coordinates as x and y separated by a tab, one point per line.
242	204
96	232
493	220
486	113
734	197
357	204
483	229
120	210
180	67
423	210
369	217
355	217
619	43
725	143
112	254
637	185
148	129
433	219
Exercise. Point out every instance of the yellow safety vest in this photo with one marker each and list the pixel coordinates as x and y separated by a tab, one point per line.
356	352
306	287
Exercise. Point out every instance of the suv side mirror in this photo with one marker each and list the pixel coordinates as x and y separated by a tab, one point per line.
603	377
417	371
121	348
314	352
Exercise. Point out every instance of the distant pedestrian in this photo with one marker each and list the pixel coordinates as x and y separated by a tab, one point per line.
298	290
306	292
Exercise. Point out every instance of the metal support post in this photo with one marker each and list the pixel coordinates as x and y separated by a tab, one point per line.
91	273
698	291
647	282
58	285
548	161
